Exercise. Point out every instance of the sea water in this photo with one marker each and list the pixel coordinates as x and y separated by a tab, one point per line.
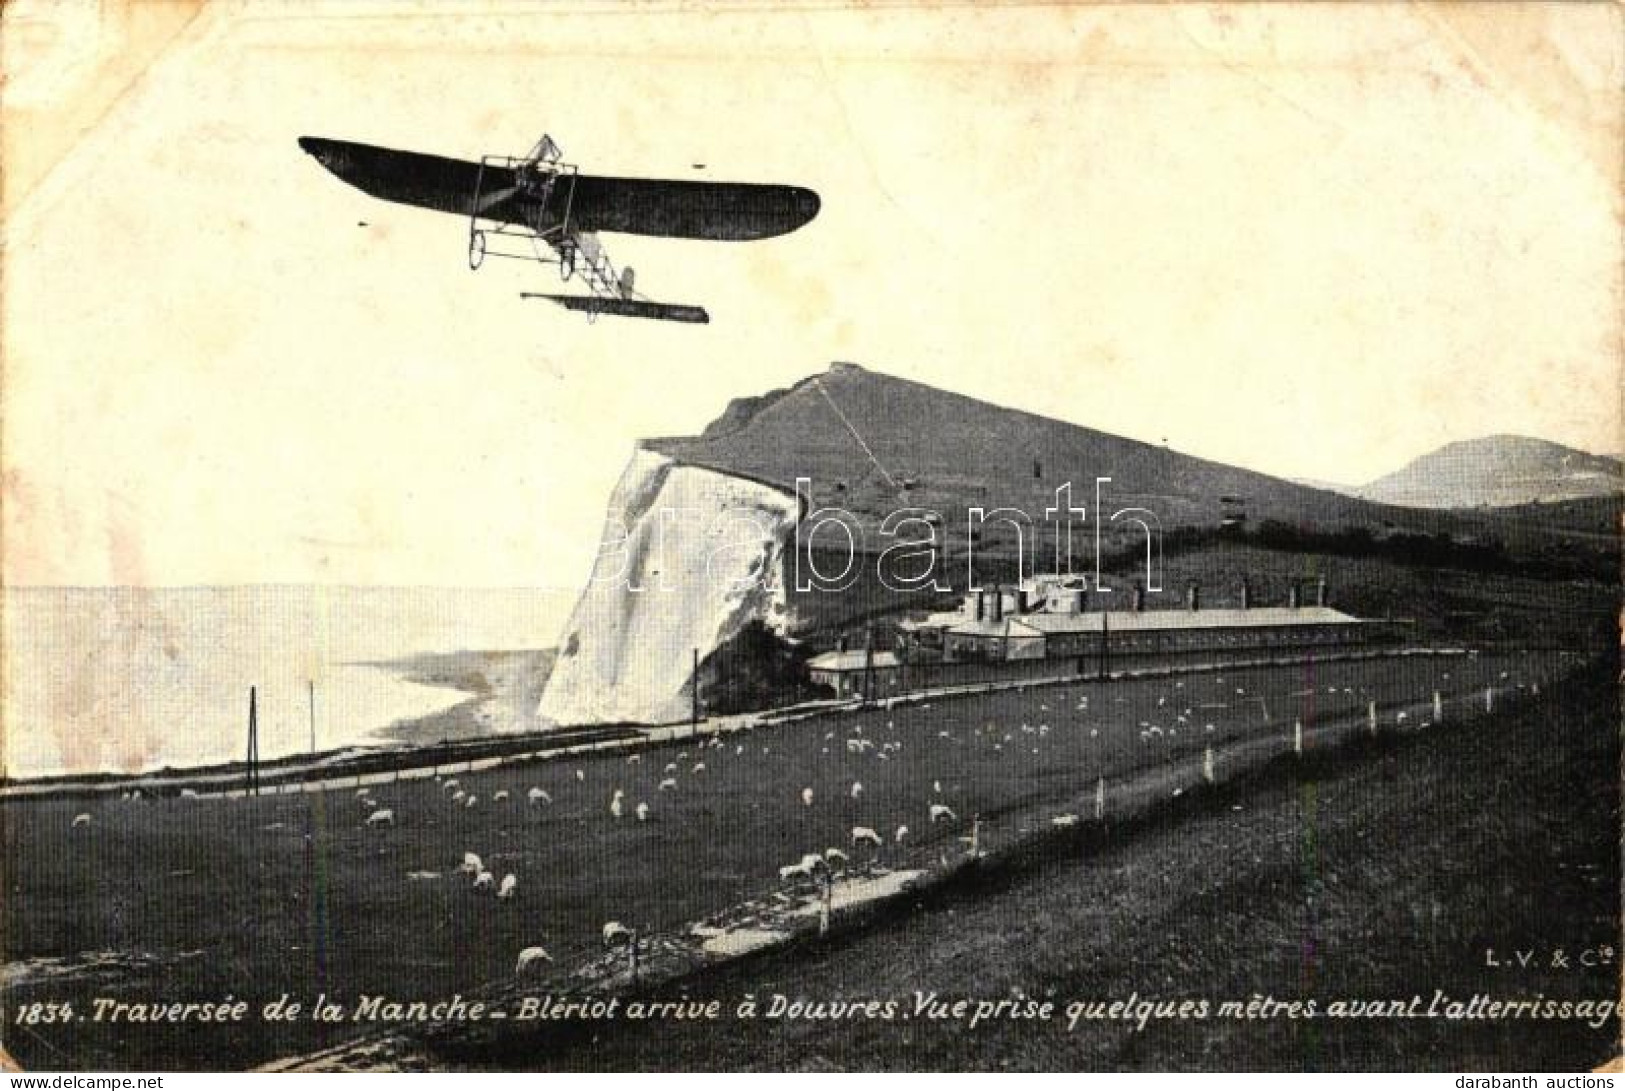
132	679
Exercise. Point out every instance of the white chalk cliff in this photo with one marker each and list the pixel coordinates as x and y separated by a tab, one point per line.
689	556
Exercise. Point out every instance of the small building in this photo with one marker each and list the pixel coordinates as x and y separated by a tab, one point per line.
1006	638
860	673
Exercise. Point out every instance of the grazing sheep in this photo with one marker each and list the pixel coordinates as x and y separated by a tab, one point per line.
643	812
500	797
699	767
361	793
505	891
864	833
857	789
615	805
902	832
634	759
615	932
536	795
470	801
528	958
940	812
668	785
1064	820
187	793
671	767
457	796
813	862
448	785
936	786
807	796
472	864
484	880
833	854
794	871
382	817
80	820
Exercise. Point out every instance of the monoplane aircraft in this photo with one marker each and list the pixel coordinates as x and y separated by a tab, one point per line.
542	209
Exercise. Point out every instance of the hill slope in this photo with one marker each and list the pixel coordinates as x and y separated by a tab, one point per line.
871	443
1497	471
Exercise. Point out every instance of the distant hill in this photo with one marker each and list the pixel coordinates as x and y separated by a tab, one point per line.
1496	472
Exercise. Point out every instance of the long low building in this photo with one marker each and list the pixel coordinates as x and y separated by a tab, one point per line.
1048	620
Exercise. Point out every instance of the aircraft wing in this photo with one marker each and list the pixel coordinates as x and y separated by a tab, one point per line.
626	308
723	211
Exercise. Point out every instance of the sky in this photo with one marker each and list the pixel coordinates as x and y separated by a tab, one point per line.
1314	242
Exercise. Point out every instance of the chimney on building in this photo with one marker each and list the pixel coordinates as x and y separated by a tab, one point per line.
1320	591
1024	600
1139	597
998	604
1193	596
1078	600
840	643
979	596
1294	595
1246	593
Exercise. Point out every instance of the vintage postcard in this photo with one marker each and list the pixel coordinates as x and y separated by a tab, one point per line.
1090	540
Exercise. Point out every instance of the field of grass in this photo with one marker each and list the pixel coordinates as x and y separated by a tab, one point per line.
1378	871
197	899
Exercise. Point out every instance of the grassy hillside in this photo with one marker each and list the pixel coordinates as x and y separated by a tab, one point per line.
1377	872
871	443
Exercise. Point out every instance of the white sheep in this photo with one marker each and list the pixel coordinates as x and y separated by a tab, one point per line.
634	759
361	793
643	812
861	834
505	891
902	832
671	767
528	958
793	871
807	796
449	785
940	811
813	862
581	774
832	855
699	767
484	880
615	932
668	785
472	864
936	786
615	805
187	793
80	820
857	789
500	797
457	796
536	795
470	801
381	817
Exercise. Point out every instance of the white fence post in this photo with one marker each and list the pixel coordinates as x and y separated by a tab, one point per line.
1207	764
1438	707
1100	798
1371	716
1297	738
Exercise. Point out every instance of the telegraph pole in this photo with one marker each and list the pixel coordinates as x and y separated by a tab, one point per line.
252	779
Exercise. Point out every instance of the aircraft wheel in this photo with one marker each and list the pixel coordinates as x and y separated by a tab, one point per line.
567	263
476	250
